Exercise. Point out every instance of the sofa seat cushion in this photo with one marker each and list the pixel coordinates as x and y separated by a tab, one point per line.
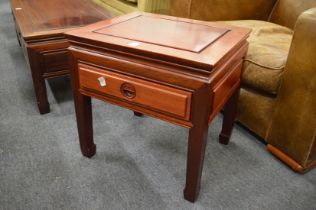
269	46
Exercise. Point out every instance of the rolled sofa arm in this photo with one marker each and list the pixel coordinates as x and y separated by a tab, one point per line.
154	6
293	127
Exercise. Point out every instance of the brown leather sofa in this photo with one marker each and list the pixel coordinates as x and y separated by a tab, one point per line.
278	95
120	7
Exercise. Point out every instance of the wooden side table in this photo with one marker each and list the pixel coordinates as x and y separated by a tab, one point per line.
40	26
178	70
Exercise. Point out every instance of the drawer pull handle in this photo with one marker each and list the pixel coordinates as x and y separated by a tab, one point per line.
128	90
102	81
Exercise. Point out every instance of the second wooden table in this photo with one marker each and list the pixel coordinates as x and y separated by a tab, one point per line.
40	26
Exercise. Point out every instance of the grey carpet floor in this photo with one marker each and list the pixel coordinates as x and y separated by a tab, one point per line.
140	162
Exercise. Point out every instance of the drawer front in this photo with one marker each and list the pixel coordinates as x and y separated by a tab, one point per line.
150	95
55	61
224	87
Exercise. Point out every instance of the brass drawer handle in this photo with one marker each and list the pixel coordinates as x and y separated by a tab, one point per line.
128	90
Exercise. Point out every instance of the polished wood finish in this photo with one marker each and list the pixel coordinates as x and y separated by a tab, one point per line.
136	30
289	161
40	26
182	81
47	19
165	99
197	63
83	115
84	119
197	142
230	110
226	85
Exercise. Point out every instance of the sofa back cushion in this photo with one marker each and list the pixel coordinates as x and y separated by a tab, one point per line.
133	1
286	12
154	6
212	10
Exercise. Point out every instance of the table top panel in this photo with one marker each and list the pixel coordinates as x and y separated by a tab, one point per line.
175	34
197	44
38	17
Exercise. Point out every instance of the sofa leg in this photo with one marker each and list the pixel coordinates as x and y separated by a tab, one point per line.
289	161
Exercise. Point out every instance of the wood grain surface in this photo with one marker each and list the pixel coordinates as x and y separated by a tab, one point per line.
164	67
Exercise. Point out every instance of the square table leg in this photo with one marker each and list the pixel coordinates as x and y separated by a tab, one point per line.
38	82
201	108
196	151
198	139
230	111
85	124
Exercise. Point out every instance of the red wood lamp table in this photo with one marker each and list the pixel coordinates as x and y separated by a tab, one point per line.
178	70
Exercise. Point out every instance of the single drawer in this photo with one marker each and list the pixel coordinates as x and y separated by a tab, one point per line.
224	87
150	95
55	60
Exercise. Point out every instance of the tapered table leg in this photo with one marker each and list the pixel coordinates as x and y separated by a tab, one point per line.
229	118
84	124
38	82
197	143
196	150
41	94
